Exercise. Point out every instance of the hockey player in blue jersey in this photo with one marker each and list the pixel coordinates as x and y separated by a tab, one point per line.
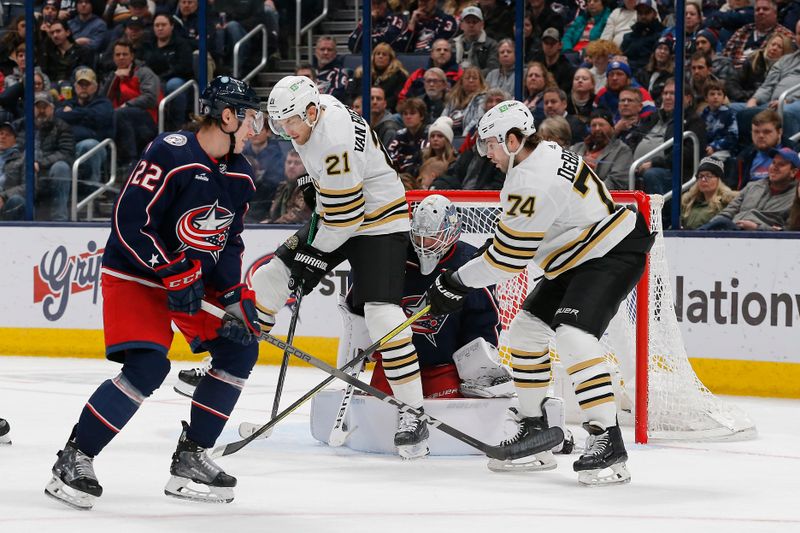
175	240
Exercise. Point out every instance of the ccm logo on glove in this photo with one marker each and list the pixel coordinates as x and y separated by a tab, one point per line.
186	280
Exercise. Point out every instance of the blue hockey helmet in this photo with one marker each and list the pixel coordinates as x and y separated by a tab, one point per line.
225	92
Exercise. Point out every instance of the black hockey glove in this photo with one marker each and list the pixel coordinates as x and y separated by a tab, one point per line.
240	302
308	268
183	279
446	295
306	185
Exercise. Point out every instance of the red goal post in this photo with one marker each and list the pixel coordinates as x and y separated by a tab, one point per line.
663	398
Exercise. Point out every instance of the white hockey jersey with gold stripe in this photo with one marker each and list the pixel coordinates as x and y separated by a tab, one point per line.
358	191
556	212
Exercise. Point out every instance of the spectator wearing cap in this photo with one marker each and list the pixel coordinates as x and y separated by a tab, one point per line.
426	25
87	29
707	196
609	157
54	152
442	58
554	60
659	68
541	14
440	142
170	57
555	105
464	102
12	204
763	205
134	91
620	22
60	55
721	66
504	75
91	117
749	38
386	27
332	77
234	19
472	47
587	26
783	75
641	41
134	30
618	77
49	14
657	171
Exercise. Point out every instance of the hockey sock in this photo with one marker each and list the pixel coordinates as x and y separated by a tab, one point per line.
583	357
399	357
212	404
271	285
529	345
105	414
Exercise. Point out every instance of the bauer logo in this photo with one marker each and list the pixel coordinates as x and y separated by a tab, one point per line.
60	275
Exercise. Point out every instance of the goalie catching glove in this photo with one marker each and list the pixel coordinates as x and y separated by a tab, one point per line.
240	302
306	186
183	279
308	268
446	295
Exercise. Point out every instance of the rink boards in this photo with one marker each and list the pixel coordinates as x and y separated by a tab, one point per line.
737	302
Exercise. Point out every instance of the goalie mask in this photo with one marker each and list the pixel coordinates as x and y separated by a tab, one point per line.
290	100
497	122
435	228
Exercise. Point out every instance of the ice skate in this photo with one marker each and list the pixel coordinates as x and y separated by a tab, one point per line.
74	482
189	379
5	432
535	429
411	438
603	459
191	464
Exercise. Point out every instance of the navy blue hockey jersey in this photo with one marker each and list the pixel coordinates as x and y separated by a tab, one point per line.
180	200
437	337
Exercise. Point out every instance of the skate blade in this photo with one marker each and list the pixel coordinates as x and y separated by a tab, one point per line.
248	428
65	494
414	451
616	474
184	389
179	487
5	441
540	462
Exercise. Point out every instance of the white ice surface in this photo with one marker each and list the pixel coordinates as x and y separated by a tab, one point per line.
290	482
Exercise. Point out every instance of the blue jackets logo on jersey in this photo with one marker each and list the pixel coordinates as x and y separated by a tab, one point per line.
205	228
428	325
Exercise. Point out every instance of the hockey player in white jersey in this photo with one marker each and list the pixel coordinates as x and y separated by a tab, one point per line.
363	218
559	214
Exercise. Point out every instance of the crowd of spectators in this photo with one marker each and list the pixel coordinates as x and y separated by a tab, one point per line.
598	78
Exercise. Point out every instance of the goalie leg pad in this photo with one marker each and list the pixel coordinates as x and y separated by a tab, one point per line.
271	285
355	335
399	357
529	345
481	373
583	357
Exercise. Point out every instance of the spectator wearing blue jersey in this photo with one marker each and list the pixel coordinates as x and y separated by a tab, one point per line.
87	28
386	27
427	24
722	130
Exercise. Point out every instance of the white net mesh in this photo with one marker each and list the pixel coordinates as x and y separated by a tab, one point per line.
679	405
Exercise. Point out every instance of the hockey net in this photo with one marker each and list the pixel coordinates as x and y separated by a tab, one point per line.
655	385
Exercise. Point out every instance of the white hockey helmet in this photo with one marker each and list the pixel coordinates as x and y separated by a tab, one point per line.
291	96
435	228
499	120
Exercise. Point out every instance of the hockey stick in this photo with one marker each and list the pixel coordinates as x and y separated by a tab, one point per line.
529	445
233	447
339	434
292	326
